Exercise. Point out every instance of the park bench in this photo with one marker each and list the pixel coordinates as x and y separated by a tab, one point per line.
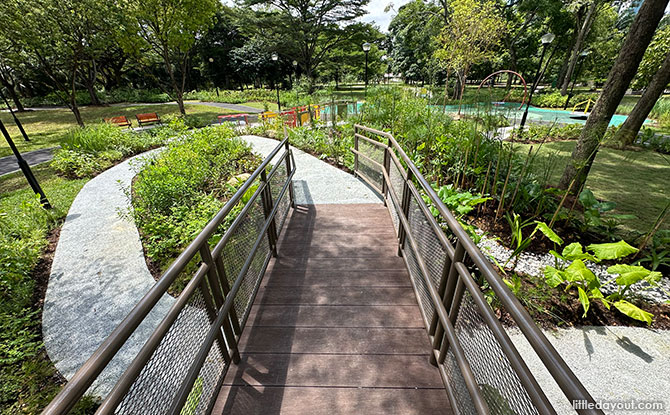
121	121
148	119
238	118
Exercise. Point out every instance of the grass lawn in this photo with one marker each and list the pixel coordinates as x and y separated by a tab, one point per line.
45	127
636	180
260	105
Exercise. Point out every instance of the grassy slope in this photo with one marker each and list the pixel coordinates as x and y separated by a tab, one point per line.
636	180
45	127
28	379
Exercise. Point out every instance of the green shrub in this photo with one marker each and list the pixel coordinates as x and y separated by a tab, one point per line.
181	189
92	149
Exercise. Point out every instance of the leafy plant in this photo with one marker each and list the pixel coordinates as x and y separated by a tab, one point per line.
519	243
597	216
588	285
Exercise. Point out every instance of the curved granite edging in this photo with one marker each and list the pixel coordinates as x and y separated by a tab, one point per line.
97	276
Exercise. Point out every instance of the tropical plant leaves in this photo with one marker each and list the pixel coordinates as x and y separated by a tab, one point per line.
574	251
549	233
584	299
630	274
577	272
553	276
633	311
612	250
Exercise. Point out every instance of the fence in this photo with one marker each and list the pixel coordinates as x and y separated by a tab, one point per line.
482	370
181	366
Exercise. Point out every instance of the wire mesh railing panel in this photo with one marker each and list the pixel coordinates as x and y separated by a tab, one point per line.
154	389
239	247
458	386
427	241
499	384
251	281
205	387
276	186
368	168
419	282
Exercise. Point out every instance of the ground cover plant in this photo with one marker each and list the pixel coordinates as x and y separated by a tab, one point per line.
46	128
180	189
93	149
28	379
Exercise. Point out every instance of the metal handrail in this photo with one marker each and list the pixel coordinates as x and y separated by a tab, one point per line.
456	279
209	271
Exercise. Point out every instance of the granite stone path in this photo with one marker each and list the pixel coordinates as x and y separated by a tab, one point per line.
10	165
98	274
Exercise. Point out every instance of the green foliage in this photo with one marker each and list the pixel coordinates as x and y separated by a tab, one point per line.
113	96
597	216
179	190
237	96
92	149
28	380
326	143
588	286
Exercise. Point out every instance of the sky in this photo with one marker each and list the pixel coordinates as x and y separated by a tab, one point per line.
377	15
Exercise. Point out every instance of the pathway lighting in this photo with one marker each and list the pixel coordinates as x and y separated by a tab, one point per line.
546	41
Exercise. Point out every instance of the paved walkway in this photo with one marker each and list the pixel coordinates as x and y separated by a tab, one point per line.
9	164
97	276
99	273
316	181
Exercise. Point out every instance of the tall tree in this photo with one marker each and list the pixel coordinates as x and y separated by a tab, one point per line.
622	73
585	14
474	30
168	29
316	27
57	35
659	81
413	31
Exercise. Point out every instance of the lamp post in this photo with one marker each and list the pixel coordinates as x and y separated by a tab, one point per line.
275	57
25	168
211	78
366	49
546	41
384	59
295	71
582	58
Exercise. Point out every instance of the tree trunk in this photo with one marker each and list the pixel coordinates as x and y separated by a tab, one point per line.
622	73
628	132
566	60
579	42
12	94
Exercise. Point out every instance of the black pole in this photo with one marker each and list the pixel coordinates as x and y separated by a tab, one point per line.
25	168
532	89
574	81
16	120
278	104
366	73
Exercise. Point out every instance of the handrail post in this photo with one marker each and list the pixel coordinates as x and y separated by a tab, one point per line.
405	210
218	290
266	197
387	167
291	193
447	298
355	152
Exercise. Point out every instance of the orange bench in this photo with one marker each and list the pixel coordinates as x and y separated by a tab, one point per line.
234	117
148	119
121	121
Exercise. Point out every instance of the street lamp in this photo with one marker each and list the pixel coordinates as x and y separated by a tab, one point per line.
366	49
546	41
384	59
275	57
582	58
295	70
211	78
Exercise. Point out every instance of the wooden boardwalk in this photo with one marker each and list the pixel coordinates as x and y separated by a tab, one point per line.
335	328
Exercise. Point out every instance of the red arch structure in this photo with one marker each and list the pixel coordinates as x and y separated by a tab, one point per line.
525	87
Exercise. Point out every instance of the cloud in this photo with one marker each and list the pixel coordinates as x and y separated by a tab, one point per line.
377	15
